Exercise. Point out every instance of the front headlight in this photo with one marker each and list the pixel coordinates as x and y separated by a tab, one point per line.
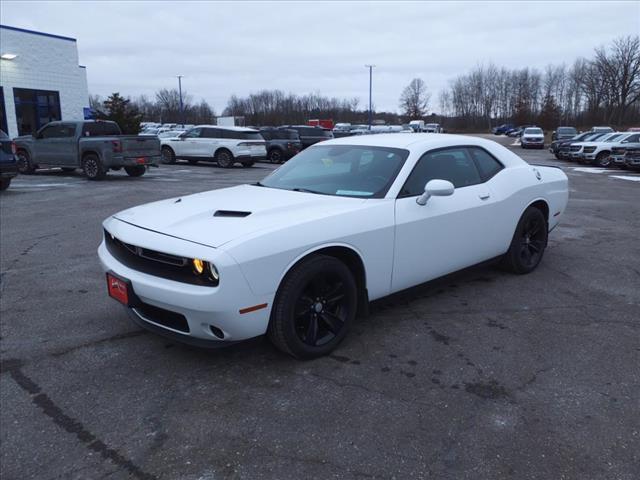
206	270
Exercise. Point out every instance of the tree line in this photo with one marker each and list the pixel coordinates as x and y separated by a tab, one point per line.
604	89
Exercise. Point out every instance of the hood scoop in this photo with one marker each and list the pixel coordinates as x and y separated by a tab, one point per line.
231	214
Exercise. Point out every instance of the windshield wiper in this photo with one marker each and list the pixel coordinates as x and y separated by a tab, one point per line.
306	190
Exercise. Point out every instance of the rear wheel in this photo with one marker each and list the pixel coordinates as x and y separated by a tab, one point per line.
24	163
93	168
167	155
4	183
135	171
314	307
224	159
274	156
528	243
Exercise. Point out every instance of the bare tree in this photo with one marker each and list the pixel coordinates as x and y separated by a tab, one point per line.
415	99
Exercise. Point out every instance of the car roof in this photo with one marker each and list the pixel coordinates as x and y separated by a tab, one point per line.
409	140
224	127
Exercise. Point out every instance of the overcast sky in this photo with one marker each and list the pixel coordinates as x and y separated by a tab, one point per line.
222	48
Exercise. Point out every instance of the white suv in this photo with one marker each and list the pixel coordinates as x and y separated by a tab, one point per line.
224	145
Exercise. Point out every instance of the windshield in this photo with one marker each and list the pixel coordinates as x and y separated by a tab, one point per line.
613	137
342	170
533	131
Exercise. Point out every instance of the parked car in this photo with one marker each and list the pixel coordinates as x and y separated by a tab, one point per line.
149	132
601	129
223	145
309	135
417	125
577	153
300	253
433	128
8	163
599	152
532	137
281	144
562	148
502	129
632	157
564	133
94	146
618	150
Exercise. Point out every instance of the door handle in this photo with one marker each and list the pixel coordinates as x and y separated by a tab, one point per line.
484	196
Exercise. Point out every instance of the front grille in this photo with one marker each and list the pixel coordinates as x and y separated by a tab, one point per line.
163	317
575	148
617	150
632	153
152	262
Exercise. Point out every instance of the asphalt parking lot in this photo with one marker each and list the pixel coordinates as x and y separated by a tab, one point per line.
481	375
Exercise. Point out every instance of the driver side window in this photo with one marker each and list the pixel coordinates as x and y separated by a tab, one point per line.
452	164
193	133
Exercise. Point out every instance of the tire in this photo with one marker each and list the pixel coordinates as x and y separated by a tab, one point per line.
25	166
557	156
136	171
193	162
603	160
528	243
93	168
315	305
275	156
4	184
167	155
248	164
224	158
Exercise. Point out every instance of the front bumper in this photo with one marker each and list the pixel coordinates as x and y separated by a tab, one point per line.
8	170
617	159
632	161
133	161
203	307
576	155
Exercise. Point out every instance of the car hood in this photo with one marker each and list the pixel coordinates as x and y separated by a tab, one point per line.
219	216
532	135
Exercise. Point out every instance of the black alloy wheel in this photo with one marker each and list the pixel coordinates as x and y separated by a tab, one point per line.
167	156
275	156
528	243
315	305
93	168
603	159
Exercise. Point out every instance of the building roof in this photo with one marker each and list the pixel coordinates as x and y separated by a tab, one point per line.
35	32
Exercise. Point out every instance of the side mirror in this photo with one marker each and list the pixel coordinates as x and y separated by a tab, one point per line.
435	188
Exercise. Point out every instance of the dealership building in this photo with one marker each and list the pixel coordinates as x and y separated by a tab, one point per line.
40	80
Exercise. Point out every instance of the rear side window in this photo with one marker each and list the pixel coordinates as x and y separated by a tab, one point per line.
452	164
486	163
194	133
267	134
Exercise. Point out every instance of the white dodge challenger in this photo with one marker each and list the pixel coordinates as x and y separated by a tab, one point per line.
301	253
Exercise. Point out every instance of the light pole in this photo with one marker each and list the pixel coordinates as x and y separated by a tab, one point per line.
370	67
181	105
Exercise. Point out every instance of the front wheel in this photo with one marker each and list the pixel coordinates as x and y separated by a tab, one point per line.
4	183
603	160
167	155
25	166
314	308
528	243
135	171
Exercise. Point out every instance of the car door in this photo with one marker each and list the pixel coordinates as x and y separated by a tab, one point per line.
66	146
210	142
448	233
188	144
44	145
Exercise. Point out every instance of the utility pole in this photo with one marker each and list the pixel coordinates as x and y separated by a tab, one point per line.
370	67
181	105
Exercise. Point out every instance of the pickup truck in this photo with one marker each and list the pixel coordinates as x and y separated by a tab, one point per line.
94	146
